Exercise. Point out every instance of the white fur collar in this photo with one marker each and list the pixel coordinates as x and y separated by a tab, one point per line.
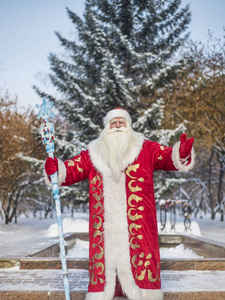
98	161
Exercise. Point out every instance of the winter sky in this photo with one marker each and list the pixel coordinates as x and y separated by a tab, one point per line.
27	37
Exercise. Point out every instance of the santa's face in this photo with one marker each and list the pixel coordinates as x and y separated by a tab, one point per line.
117	123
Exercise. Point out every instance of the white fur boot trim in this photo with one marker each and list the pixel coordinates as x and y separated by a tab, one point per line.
152	294
177	160
95	296
61	174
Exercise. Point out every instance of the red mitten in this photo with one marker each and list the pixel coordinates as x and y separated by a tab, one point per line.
51	165
185	146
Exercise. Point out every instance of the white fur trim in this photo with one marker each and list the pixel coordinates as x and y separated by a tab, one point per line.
98	161
178	162
116	237
117	113
148	294
95	296
61	174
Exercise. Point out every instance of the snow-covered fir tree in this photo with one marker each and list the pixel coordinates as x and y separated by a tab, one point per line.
125	51
113	65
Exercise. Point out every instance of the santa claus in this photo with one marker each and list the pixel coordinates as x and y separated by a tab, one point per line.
124	248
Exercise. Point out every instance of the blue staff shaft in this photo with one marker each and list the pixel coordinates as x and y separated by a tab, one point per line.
47	133
56	196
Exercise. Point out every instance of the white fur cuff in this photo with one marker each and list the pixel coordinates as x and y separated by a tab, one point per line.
61	174
178	162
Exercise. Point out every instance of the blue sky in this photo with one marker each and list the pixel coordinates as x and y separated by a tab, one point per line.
27	37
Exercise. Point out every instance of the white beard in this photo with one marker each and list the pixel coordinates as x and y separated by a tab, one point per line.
114	146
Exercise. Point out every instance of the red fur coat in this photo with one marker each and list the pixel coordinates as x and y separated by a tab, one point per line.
122	225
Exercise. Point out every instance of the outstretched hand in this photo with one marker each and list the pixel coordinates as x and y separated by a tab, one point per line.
51	165
185	146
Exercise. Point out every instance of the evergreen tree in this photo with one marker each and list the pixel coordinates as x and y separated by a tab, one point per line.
125	51
155	29
114	64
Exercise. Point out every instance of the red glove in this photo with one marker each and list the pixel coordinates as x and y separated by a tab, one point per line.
185	146
51	165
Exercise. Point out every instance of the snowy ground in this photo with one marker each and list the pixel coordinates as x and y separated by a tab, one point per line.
32	235
81	250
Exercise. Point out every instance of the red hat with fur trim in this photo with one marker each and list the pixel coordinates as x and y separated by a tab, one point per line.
117	112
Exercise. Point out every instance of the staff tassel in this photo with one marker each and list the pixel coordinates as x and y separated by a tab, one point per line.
47	133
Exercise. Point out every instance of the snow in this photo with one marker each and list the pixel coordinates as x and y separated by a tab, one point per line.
70	225
193	281
81	250
178	252
31	235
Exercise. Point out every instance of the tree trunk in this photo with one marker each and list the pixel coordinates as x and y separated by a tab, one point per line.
210	191
220	191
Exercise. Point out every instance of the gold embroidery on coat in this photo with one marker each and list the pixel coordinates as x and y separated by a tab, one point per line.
162	147
70	163
99	224
141	179
134	217
79	169
95	179
140	236
142	276
100	254
135	246
141	208
135	226
150	278
133	186
98	233
97	205
134	258
134	197
92	279
160	157
95	195
100	265
77	160
146	264
134	189
92	273
132	168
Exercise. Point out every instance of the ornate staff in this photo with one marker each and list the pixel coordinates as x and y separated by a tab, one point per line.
47	133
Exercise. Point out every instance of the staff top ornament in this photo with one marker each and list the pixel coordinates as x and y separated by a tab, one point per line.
45	109
47	129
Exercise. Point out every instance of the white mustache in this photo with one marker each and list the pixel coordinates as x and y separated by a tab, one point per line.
121	129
